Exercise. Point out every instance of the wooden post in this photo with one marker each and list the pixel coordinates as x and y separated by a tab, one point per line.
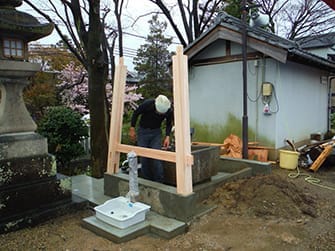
183	157
115	131
182	123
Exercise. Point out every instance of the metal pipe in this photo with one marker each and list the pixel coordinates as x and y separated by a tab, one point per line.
245	83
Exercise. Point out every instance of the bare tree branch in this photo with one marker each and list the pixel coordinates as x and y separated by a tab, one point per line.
298	18
59	31
172	22
118	5
193	15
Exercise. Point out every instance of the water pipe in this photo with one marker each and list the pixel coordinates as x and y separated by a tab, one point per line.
133	176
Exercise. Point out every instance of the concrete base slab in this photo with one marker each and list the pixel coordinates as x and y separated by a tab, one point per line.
165	227
113	233
154	224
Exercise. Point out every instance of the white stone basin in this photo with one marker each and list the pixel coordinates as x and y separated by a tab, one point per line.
121	213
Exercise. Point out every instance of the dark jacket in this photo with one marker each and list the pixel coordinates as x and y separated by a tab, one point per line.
150	118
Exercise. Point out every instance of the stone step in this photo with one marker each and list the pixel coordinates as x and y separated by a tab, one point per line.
154	223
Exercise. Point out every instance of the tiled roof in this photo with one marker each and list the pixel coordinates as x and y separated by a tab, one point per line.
317	41
294	48
258	33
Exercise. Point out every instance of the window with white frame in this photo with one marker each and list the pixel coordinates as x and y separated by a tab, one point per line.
13	48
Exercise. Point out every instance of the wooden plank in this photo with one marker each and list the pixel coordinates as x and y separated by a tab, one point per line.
256	44
116	117
152	153
322	157
197	143
182	122
211	37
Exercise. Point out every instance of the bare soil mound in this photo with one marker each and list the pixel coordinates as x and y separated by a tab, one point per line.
266	196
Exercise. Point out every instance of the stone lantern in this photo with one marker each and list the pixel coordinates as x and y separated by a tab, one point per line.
30	188
17	29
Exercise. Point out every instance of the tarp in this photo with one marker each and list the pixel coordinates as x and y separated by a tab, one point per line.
331	3
233	146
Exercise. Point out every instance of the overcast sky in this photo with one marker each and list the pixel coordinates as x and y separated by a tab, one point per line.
133	9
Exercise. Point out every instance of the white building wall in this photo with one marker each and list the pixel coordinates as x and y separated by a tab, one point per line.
263	125
215	91
303	101
298	103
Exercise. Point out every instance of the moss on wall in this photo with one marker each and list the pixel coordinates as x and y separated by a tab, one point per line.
217	133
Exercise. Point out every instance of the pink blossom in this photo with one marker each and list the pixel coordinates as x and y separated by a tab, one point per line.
73	89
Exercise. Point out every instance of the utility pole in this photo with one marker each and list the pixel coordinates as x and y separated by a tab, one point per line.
245	82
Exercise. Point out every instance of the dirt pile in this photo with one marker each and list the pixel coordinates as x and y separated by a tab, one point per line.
265	196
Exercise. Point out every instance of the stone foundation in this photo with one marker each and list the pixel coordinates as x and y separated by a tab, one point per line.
30	191
205	159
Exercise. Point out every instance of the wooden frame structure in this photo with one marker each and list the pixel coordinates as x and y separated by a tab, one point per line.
182	157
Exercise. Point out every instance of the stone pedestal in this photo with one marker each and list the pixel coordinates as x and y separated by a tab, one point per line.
19	145
31	191
30	188
14	116
28	185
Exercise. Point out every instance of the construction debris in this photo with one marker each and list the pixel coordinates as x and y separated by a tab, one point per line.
314	155
233	145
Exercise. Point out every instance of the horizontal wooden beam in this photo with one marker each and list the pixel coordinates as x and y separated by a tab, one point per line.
225	59
151	153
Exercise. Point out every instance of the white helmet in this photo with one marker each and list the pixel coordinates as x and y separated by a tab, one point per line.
162	104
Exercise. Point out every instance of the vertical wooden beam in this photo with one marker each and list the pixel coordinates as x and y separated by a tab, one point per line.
228	48
115	131
183	156
182	123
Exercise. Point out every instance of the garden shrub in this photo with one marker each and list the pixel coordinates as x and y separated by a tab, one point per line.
64	129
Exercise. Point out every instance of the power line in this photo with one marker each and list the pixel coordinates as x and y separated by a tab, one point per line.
50	49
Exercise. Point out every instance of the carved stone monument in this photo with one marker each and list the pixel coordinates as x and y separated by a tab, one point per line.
30	189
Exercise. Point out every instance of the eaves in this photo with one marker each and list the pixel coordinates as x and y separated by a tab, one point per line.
271	45
306	58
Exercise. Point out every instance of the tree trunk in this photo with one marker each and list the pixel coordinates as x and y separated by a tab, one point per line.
97	72
98	118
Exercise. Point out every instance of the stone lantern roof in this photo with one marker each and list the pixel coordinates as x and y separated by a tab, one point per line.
19	24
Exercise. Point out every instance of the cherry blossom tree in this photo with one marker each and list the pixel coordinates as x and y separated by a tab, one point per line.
73	90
